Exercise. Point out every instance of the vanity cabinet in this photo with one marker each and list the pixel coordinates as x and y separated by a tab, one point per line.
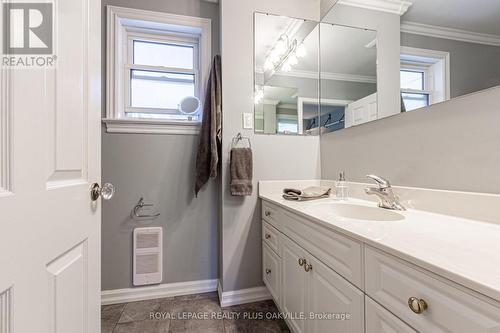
327	282
309	287
337	303
294	284
446	309
379	320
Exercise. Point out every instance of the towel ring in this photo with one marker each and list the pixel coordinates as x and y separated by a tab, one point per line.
239	138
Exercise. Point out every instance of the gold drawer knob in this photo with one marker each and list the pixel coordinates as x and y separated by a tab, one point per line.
417	305
268	236
267	213
302	262
308	267
268	271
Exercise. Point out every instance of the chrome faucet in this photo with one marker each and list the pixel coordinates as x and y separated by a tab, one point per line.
388	199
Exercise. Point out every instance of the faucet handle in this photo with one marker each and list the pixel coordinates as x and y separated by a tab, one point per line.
381	182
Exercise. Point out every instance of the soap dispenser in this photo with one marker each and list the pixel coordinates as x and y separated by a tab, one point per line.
341	187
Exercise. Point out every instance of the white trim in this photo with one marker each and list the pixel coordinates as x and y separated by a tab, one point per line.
119	18
158	291
449	33
242	296
6	129
148	126
398	7
348	77
329	76
438	56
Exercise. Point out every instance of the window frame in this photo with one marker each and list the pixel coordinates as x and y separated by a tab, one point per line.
418	68
151	37
124	26
436	65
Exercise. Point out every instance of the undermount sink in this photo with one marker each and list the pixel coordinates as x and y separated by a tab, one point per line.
356	212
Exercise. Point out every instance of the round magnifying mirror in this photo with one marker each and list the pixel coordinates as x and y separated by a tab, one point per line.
189	105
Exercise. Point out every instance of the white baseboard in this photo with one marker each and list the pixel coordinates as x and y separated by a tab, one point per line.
157	291
242	296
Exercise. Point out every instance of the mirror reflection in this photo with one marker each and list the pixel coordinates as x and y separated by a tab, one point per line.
379	61
286	75
348	76
449	48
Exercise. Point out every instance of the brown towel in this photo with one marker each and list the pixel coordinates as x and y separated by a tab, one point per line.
209	146
241	170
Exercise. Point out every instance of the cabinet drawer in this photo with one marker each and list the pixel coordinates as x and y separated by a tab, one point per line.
270	213
271	237
340	253
392	282
271	272
379	320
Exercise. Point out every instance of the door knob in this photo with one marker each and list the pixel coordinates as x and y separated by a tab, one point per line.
106	191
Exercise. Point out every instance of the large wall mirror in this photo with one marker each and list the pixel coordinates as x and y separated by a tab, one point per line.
348	76
404	56
449	48
286	75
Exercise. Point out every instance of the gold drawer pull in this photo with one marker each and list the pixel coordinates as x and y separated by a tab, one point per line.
267	213
268	236
417	305
268	271
302	262
308	267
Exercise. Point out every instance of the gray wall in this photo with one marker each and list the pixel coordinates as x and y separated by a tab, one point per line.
275	156
160	168
473	67
452	146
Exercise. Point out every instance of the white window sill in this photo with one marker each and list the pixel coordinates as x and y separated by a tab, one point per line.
151	126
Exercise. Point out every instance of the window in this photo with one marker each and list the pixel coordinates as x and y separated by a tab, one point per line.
155	60
161	73
413	88
424	77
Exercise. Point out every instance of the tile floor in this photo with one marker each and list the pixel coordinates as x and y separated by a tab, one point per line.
174	315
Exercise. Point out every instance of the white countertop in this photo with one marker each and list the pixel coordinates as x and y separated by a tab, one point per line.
463	250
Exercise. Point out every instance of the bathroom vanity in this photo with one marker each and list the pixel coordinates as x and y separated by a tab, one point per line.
349	266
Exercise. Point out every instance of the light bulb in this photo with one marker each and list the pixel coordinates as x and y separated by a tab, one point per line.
301	51
280	46
274	57
286	67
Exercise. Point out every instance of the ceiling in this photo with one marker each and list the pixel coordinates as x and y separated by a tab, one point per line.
343	49
480	16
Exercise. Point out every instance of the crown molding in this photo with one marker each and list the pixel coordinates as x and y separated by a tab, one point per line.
329	76
449	33
398	7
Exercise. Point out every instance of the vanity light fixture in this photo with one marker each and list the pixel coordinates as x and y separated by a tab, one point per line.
285	54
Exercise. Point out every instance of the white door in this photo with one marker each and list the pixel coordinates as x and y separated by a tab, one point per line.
50	156
294	284
361	111
331	296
